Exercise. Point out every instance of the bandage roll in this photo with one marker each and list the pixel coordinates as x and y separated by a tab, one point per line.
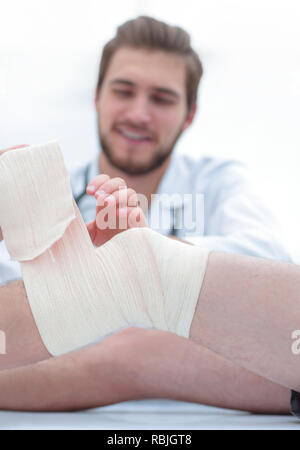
78	294
31	185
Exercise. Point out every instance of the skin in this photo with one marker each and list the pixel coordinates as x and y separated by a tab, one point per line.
247	311
134	364
23	342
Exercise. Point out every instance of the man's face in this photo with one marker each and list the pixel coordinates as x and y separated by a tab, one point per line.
142	108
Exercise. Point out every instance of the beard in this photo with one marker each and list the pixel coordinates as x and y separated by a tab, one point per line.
129	168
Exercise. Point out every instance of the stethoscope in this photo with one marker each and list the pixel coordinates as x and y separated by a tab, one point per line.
175	214
78	198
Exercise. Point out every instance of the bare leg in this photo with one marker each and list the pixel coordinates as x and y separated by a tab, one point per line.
142	363
23	342
134	364
247	311
169	366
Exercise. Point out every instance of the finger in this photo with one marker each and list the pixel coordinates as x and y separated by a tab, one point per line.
125	197
106	217
130	217
132	198
96	183
121	198
107	190
111	186
104	201
136	218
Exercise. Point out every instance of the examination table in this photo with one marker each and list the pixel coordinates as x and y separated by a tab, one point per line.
147	414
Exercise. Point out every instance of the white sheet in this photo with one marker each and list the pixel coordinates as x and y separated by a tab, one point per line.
147	414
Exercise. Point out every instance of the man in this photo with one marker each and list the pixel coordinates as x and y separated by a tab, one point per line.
145	99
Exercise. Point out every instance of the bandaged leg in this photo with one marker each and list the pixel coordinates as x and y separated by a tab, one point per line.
78	294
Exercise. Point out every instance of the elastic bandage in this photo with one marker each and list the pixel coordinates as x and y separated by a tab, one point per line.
79	294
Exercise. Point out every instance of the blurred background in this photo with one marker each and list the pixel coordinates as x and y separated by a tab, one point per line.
249	100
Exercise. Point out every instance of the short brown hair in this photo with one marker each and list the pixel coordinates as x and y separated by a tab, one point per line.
147	32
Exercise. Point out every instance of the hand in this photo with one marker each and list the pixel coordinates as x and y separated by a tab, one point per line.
1	152
117	209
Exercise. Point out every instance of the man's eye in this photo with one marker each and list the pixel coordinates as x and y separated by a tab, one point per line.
162	100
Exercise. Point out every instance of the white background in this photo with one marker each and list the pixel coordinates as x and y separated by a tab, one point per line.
249	102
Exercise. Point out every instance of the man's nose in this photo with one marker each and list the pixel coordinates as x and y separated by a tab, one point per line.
138	111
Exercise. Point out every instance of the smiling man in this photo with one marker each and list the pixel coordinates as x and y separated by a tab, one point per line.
146	97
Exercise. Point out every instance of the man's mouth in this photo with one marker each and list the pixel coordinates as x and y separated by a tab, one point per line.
133	136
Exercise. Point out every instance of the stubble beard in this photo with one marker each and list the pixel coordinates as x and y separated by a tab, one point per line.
161	155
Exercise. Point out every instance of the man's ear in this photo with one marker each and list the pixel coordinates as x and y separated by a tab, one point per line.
190	117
